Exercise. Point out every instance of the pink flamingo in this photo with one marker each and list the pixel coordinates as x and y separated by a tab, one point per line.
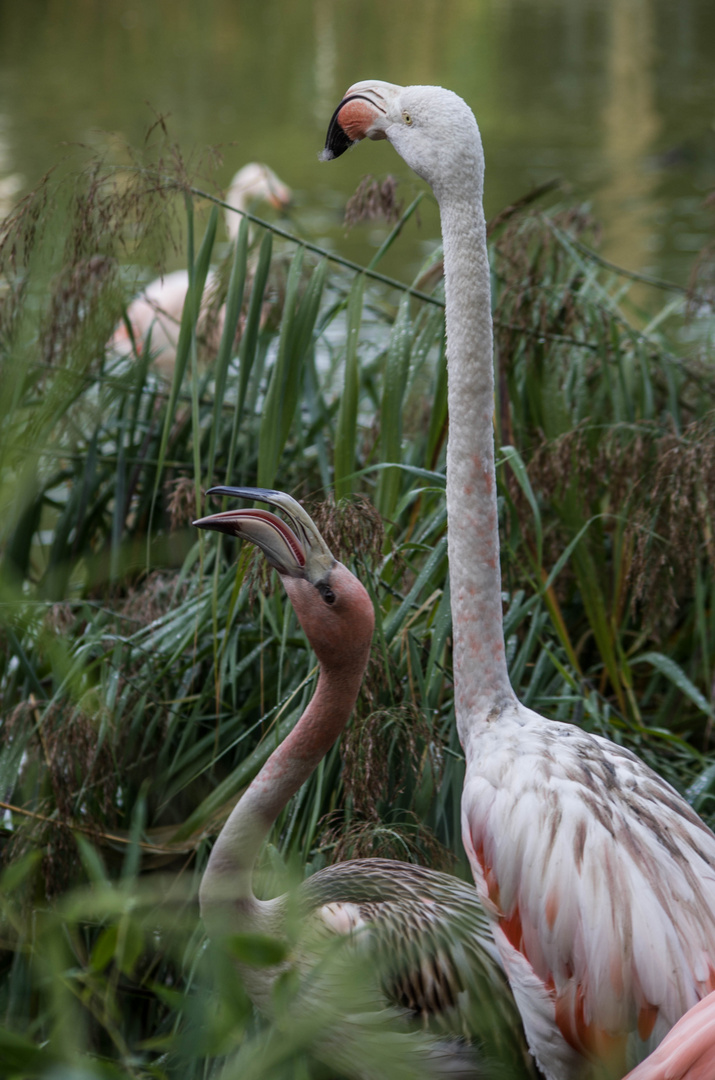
688	1050
159	306
598	877
427	930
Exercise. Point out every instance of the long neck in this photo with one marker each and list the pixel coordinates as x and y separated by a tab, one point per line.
226	893
480	671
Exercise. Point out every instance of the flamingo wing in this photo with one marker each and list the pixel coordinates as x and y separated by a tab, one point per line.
688	1050
434	948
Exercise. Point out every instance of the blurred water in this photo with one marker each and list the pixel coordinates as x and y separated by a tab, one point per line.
615	96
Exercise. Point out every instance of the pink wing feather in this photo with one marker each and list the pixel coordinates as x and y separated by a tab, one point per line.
688	1050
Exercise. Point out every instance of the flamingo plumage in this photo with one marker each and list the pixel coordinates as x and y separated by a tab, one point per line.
688	1050
159	305
427	929
598	877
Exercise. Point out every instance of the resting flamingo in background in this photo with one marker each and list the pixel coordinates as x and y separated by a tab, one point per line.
427	930
158	307
599	878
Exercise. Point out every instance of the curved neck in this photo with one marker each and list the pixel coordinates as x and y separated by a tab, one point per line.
226	893
480	671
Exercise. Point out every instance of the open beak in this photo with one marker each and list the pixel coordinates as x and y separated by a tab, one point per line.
296	550
364	113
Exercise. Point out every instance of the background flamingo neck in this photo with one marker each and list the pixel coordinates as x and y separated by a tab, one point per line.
480	671
226	893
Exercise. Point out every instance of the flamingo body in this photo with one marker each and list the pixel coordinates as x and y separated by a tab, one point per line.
601	883
598	877
159	306
157	311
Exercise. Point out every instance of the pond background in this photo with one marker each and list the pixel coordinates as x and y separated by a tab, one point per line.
617	97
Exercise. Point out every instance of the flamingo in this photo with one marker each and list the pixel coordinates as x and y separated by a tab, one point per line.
254	183
158	307
688	1050
427	929
599	879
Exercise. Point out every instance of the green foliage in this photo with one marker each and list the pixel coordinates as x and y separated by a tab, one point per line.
147	672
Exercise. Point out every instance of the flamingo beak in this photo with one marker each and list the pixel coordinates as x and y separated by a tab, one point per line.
364	113
298	552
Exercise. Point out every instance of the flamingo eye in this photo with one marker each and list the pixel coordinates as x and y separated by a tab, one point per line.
326	592
407	118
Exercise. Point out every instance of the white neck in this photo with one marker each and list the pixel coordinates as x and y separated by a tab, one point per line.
480	671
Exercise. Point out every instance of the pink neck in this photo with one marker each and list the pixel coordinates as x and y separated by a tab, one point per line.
226	893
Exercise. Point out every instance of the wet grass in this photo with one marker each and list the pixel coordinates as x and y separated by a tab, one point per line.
146	671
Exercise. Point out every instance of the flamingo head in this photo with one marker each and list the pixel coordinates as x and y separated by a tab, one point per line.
254	183
257	182
431	128
334	609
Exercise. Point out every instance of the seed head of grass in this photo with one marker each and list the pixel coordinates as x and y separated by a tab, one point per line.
373	201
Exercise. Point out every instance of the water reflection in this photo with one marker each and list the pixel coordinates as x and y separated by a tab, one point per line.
326	60
11	183
614	95
629	200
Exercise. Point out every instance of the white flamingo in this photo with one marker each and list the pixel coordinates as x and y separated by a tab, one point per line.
426	931
158	307
599	878
254	183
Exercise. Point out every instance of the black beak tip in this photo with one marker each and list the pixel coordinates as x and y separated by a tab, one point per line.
336	141
214	526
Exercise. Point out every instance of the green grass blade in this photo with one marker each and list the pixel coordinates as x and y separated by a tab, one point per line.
514	460
395	232
234	301
397	368
346	425
272	434
675	674
187	331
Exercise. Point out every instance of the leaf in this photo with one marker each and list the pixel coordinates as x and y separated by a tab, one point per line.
130	945
19	1056
91	860
516	464
14	874
249	340
346	426
234	300
187	332
672	671
395	231
258	950
105	948
701	787
282	395
397	367
422	581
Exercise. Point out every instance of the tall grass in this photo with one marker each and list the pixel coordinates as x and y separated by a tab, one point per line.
147	671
